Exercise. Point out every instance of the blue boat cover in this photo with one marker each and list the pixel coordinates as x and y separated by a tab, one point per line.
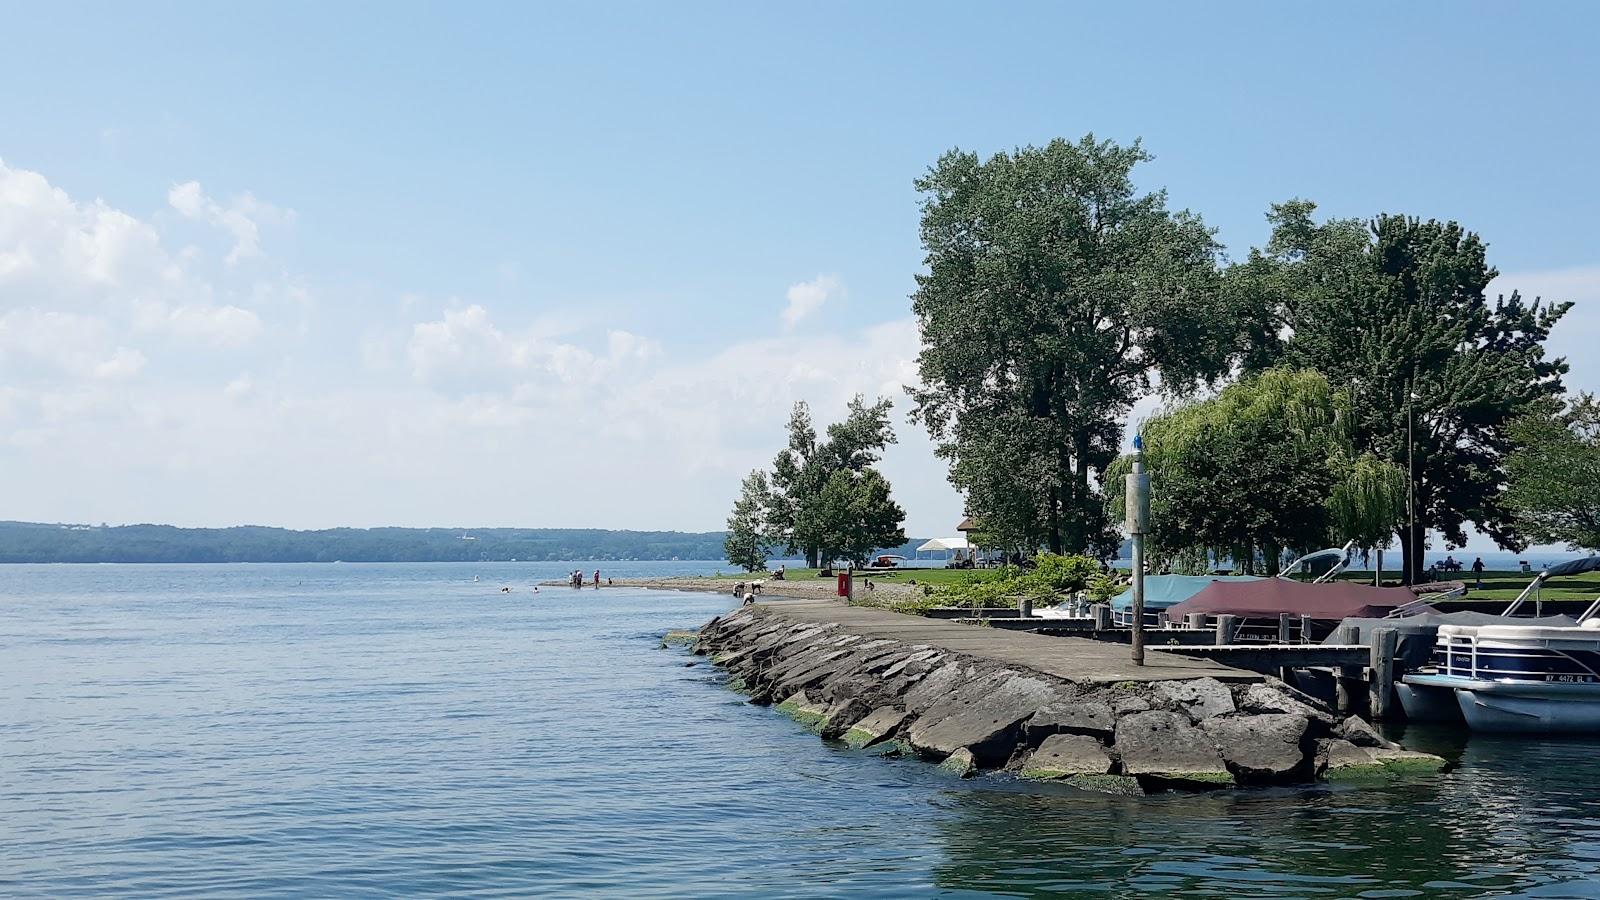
1162	591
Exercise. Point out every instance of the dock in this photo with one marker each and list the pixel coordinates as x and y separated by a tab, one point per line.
1075	659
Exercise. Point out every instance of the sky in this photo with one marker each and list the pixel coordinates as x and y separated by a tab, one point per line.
532	265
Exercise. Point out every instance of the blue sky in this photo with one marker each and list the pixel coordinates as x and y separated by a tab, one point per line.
318	264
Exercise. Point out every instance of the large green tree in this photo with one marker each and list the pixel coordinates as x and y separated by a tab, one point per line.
1394	313
1054	292
798	517
1264	466
855	515
1554	474
749	533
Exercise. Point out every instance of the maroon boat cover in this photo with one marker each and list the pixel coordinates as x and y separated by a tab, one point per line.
1270	596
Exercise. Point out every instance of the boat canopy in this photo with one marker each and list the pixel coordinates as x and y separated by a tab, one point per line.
941	545
1163	591
1270	597
1574	567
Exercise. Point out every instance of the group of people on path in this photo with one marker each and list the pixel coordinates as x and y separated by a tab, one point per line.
577	578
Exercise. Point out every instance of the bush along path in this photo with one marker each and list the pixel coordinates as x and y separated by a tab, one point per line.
970	714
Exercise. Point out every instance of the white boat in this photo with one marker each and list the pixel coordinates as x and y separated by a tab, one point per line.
1511	677
1519	677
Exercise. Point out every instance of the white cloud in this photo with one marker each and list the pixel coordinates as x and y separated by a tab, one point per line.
807	297
241	218
539	414
220	326
52	246
465	349
67	343
239	387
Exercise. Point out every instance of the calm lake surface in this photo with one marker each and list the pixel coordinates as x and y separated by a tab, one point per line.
337	730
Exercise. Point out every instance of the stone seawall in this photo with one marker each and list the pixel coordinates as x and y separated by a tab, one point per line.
969	713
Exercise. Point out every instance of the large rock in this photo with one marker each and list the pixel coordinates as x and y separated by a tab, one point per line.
842	714
1067	756
1091	717
1163	747
1261	698
1347	762
1127	706
1265	748
983	715
1358	731
933	687
960	763
804	710
880	724
1200	698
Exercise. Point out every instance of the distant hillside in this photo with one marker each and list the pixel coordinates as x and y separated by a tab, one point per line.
34	542
37	543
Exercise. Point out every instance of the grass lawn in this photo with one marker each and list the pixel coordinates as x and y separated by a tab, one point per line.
1506	585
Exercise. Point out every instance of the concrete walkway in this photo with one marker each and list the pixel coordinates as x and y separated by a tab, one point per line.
1074	659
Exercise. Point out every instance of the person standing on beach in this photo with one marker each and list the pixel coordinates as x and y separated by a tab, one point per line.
596	577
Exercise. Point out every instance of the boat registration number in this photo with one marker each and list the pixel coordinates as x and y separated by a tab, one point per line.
1572	679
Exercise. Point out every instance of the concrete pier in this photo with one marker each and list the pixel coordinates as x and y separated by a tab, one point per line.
1073	659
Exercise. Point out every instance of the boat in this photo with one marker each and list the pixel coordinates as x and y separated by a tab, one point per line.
1510	676
887	561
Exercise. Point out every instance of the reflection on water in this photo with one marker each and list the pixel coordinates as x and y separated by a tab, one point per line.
327	730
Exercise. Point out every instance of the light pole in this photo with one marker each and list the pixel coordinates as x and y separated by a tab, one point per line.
1413	556
1137	501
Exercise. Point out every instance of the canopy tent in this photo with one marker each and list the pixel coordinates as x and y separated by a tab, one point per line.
1163	591
1272	596
943	545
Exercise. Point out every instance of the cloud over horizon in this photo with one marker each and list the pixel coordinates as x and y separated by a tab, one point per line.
145	383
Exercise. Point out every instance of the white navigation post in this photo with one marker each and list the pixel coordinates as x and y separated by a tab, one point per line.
1138	523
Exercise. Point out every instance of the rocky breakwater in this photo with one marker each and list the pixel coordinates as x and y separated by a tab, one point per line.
969	713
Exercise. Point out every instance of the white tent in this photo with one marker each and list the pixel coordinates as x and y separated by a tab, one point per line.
956	545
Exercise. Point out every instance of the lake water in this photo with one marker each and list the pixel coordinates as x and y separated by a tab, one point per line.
372	730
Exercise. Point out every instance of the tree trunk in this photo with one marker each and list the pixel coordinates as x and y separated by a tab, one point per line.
1054	524
1078	536
811	558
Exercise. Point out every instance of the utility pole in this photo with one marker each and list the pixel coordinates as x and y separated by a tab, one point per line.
1137	501
1410	544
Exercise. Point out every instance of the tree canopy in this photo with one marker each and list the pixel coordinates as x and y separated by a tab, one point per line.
825	499
748	538
1554	474
1264	466
1393	312
1054	292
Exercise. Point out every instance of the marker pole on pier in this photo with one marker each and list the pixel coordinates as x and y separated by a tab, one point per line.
1138	522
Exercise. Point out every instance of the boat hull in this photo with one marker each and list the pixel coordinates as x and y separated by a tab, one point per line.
1520	707
1427	703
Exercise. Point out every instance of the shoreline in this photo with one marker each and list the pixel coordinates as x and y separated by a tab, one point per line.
807	589
1066	710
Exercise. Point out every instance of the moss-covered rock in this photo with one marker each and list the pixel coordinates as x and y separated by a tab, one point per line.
960	763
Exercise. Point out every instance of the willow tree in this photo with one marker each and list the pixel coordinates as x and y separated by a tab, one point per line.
1394	313
1264	466
1054	292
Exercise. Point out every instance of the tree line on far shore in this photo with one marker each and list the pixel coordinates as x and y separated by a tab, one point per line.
1349	381
30	542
